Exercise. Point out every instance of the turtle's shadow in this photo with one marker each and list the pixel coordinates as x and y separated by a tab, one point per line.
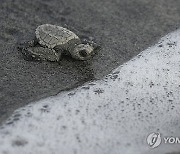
82	67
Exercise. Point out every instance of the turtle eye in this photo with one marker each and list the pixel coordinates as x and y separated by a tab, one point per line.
83	53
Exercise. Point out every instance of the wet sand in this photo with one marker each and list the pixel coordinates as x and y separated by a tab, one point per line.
113	115
122	28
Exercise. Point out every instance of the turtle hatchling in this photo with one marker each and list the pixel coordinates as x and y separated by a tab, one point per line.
52	41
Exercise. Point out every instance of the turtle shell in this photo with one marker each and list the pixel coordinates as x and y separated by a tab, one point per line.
51	35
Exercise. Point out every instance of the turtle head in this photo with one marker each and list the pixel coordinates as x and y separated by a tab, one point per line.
82	52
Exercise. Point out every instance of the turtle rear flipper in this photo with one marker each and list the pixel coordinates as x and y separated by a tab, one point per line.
40	54
27	44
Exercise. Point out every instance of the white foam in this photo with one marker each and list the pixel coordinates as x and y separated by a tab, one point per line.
113	115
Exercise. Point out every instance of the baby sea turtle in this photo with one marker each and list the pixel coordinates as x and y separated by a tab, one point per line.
51	41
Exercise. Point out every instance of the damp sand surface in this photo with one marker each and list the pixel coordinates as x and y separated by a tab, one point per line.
122	29
112	115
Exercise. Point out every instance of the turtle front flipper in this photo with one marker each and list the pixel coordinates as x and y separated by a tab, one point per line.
40	54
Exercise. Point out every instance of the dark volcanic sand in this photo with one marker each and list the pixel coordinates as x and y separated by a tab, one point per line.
123	28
